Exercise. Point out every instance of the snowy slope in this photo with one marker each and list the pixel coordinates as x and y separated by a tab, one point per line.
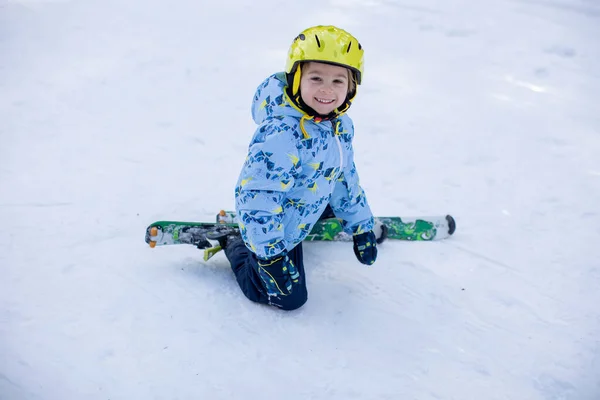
114	114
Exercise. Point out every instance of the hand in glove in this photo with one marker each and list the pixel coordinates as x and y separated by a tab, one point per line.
365	247
278	274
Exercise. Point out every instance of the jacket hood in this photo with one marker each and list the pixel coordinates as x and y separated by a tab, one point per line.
270	100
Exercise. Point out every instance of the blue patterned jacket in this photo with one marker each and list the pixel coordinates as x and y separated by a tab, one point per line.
295	167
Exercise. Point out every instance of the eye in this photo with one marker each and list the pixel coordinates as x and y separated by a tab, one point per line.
315	78
339	81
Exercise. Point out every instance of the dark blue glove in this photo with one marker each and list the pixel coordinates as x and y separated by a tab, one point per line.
365	247
278	274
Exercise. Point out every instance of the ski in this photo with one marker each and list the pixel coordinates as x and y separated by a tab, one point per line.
164	233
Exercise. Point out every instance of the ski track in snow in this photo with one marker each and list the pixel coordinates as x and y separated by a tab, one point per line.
117	114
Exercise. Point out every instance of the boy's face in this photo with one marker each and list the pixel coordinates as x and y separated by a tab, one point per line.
324	87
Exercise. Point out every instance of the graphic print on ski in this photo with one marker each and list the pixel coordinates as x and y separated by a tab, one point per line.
162	233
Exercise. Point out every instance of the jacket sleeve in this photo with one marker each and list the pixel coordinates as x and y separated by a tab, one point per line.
348	199
266	176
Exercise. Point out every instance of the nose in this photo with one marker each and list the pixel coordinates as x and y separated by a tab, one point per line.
327	88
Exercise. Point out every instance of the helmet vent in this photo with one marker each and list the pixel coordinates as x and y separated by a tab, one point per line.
301	36
318	42
348	49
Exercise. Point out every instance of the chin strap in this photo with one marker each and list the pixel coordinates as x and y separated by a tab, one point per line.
316	118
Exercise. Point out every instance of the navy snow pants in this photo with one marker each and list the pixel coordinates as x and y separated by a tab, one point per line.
245	267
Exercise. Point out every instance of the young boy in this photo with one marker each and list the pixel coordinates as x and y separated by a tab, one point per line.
300	163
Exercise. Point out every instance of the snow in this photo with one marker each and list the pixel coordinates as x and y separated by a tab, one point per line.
114	114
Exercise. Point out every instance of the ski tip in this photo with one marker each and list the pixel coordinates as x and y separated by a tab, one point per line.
152	233
451	224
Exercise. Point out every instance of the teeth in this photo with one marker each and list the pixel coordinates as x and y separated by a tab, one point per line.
324	101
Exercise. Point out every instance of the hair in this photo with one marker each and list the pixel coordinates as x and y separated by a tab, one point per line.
351	81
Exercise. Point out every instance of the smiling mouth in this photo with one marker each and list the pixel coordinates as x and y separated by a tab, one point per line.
323	101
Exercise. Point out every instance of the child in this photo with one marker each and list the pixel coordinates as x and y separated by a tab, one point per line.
300	163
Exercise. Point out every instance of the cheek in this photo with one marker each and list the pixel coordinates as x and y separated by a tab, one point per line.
342	92
306	96
306	90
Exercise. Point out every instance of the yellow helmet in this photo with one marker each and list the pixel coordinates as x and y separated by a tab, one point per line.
326	44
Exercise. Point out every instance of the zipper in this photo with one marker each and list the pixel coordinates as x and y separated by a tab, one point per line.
337	139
